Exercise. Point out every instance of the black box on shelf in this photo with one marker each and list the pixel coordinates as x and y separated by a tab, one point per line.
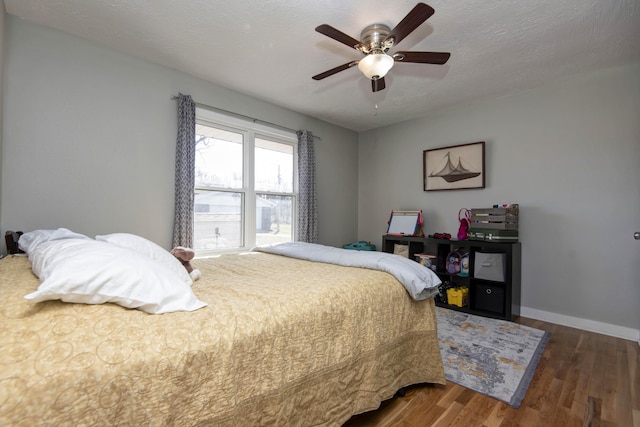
488	298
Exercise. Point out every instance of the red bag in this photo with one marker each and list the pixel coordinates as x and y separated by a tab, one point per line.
464	216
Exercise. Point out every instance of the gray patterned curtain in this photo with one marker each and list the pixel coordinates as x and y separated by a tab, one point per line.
307	199
185	172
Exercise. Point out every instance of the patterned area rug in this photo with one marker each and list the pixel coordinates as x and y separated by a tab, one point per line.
493	357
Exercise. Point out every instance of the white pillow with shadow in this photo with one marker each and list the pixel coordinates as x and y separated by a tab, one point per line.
92	272
150	249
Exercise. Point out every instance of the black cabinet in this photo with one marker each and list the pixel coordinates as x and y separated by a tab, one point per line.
493	278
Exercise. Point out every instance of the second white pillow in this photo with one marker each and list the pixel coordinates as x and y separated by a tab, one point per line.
150	249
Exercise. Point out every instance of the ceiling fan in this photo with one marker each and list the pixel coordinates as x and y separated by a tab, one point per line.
376	40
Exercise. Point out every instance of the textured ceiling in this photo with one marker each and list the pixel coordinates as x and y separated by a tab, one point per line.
268	48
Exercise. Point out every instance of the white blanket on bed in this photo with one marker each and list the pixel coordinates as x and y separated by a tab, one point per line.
419	281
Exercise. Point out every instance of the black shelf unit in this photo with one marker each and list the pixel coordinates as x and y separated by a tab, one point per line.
497	299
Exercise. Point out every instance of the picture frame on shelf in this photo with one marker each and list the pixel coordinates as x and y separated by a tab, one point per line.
405	223
456	167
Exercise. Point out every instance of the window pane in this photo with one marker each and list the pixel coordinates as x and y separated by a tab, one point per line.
274	219
273	166
217	220
218	157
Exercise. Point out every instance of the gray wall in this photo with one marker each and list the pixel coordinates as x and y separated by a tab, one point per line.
569	154
90	140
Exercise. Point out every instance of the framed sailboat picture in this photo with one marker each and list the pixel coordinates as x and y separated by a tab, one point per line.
456	167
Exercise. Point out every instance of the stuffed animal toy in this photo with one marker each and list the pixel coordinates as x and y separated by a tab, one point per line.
185	255
464	265
453	262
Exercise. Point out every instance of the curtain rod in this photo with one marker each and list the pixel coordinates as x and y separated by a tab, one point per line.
242	116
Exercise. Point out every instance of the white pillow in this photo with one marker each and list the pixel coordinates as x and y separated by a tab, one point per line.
91	272
150	249
28	241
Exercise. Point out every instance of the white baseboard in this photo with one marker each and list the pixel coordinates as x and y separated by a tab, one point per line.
584	324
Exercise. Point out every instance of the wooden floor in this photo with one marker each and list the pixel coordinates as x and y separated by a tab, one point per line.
582	379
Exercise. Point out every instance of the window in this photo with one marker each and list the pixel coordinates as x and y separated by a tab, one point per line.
245	184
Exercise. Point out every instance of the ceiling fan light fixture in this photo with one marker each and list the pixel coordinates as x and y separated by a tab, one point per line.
375	65
376	40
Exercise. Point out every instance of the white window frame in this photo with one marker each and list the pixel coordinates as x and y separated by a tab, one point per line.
250	131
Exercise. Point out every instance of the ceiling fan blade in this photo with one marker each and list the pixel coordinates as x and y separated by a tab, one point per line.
422	57
378	84
338	35
335	70
420	13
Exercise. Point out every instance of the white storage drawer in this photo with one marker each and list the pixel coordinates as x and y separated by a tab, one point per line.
489	266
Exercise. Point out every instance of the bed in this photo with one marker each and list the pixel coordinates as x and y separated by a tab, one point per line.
280	341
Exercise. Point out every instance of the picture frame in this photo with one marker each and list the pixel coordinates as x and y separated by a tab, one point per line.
456	167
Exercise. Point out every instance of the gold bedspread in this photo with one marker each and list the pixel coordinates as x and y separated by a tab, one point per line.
282	342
